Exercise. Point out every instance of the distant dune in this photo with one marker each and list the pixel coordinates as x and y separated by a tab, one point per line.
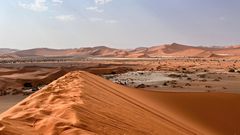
6	50
100	51
168	50
7	53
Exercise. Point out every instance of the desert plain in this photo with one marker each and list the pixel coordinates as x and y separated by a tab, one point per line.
135	94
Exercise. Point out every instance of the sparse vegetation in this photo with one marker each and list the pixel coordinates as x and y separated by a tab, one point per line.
231	70
141	86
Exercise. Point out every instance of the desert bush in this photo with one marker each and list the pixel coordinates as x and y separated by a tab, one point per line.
29	85
231	70
141	86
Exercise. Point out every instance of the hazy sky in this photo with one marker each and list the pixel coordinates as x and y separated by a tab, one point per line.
117	23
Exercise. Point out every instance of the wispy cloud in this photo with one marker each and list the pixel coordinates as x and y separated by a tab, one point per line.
37	5
95	8
99	5
65	18
102	2
57	1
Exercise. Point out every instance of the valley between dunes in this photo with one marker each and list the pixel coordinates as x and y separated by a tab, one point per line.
82	103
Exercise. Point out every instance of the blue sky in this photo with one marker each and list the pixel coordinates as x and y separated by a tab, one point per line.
117	23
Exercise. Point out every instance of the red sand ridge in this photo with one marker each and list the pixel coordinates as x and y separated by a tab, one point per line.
82	103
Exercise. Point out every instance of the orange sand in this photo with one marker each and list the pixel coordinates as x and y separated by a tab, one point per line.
82	103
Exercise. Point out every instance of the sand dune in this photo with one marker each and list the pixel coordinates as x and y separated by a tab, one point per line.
167	50
210	113
88	51
82	103
6	50
14	78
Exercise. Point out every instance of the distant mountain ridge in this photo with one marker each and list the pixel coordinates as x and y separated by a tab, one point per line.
167	50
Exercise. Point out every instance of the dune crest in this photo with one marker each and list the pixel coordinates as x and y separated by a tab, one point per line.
82	103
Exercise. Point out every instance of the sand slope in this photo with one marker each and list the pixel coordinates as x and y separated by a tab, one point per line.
210	113
82	103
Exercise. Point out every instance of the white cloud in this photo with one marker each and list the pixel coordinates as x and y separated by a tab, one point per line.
102	2
57	2
96	9
37	5
65	18
98	3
